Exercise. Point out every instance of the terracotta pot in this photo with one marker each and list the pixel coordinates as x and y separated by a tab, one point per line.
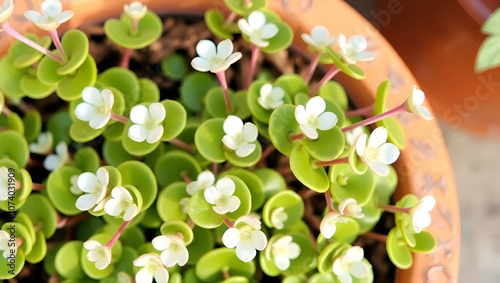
424	166
441	52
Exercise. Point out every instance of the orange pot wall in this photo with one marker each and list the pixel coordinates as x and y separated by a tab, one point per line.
439	41
423	167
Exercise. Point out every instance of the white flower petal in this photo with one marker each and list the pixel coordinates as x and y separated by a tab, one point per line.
309	131
233	125
319	33
327	120
228	141
245	251
99	121
226	186
157	112
282	262
161	275
259	42
245	150
211	194
355	254
345	278
233	58
361	144
359	269
300	115
293	251
259	240
308	39
85	111
250	132
155	134
92	96
231	237
233	203
206	48
269	30
358	42
388	153
377	137
256	20
225	48
102	176
113	207
315	106
86	202
206	179
201	64
143	276
108	97
51	8
377	167
87	182
137	133
139	114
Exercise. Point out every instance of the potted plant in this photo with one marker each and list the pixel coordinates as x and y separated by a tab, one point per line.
172	188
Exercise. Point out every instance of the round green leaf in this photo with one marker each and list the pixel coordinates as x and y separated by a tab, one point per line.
326	257
258	112
71	87
372	215
292	84
216	23
140	176
292	204
173	227
67	261
169	202
59	125
58	190
347	184
425	243
114	132
175	119
404	221
175	66
24	55
137	148
49	261
216	105
272	180
33	87
253	183
239	7
171	167
119	31
20	195
39	249
24	219
193	89
301	165
125	81
87	159
8	267
202	213
32	125
328	146
14	146
282	124
114	154
208	140
20	232
80	131
262	127
76	47
47	71
41	212
381	97
357	166
202	243
149	92
13	122
210	267
394	131
352	71
151	218
300	265
346	232
10	78
247	161
399	253
334	92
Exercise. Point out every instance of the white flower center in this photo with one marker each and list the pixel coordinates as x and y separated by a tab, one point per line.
371	153
102	109
152	267
312	121
125	204
239	139
216	60
150	124
246	233
222	201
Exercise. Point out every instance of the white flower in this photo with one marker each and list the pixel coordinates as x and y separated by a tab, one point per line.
246	237
204	180
221	196
58	160
238	136
270	97
136	10
6	10
352	135
43	145
121	202
313	117
52	17
376	154
96	108
328	226
414	104
173	249
350	264
350	207
4	244
355	50
420	213
153	268
184	203
319	39
98	253
257	29
74	185
283	251
214	59
278	217
95	187
148	122
4	183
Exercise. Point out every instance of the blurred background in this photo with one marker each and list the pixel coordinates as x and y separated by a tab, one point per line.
438	40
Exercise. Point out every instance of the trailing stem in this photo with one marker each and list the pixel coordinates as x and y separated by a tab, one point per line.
55	38
223	83
118	233
394	209
376	236
312	67
328	197
119	118
332	162
365	111
374	119
295	137
228	222
181	144
253	65
328	76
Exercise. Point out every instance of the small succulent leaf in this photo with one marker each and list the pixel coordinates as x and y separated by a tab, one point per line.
175	66
58	191
209	267
399	253
334	92
241	9
208	140
216	23
291	202
171	167
148	31
328	146
194	88
282	124
352	71
173	227
139	175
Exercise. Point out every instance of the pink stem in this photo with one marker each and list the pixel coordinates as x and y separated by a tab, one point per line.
186	178
126	58
394	209
39	187
296	137
332	162
328	197
6	111
215	168
328	76
365	111
374	119
228	222
135	25
230	18
312	67
12	32
191	224
253	64
222	79
265	154
118	233
119	118
376	236
57	43
181	144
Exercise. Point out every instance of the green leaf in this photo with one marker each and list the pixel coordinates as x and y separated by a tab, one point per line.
87	159
14	146
282	124
169	202
488	54
173	227
175	119
404	222
67	261
10	78
20	195
32	125
210	267
203	242
33	87
151	218
425	243
20	232
41	212
327	255
137	148
9	267
282	40
292	84
171	167
149	92
71	87
80	131
272	180
194	88
216	23
346	232
239	7
39	249
334	92
216	105
247	161
89	267
300	265
203	215
58	190
399	253
76	47
347	184
258	112
208	140
352	71
175	66
59	125
24	55
120	31
139	175
328	146
114	154
253	183
491	25
381	97
292	204
13	122
314	178
125	81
